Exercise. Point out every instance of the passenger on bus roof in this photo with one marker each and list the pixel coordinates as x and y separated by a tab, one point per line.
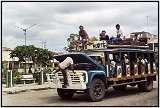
83	34
103	36
119	35
135	40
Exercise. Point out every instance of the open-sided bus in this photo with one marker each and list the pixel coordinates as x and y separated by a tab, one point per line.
93	78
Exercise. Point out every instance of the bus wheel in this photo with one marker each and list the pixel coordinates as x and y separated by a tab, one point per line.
133	84
65	94
97	90
147	85
121	87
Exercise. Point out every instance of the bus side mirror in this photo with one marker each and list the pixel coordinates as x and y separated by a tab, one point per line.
110	56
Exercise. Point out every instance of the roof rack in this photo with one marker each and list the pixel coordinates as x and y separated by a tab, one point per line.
127	46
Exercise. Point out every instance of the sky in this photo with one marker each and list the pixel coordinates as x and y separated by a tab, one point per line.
55	21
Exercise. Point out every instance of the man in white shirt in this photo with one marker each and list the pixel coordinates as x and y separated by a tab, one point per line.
126	58
119	31
67	63
119	35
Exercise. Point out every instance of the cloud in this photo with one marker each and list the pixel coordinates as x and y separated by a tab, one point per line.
55	21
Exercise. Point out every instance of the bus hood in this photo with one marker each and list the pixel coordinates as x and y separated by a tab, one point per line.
77	58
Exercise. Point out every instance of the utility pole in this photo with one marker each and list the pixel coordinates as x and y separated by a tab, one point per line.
42	45
25	30
147	23
45	45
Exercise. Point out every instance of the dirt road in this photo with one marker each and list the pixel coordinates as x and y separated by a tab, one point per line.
130	97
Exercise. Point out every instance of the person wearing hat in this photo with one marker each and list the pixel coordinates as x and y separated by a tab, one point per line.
126	58
125	61
83	34
103	36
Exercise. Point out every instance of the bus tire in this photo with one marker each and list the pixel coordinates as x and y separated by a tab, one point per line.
65	93
146	86
119	88
97	90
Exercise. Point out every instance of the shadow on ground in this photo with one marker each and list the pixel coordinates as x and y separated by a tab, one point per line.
78	98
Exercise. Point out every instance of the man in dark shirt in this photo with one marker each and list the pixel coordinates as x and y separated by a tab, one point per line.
103	36
83	34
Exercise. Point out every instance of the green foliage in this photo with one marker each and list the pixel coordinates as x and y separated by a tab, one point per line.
23	52
45	71
16	78
70	41
43	56
15	74
37	55
94	38
4	75
4	71
4	64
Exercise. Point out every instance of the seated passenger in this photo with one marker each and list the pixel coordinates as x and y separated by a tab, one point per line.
126	58
113	65
135	40
113	68
125	61
98	60
141	64
119	35
103	36
140	60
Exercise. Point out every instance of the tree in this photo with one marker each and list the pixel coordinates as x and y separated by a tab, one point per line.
71	45
37	55
43	56
70	41
93	38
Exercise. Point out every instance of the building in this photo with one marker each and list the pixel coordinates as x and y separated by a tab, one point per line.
14	62
6	60
149	39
